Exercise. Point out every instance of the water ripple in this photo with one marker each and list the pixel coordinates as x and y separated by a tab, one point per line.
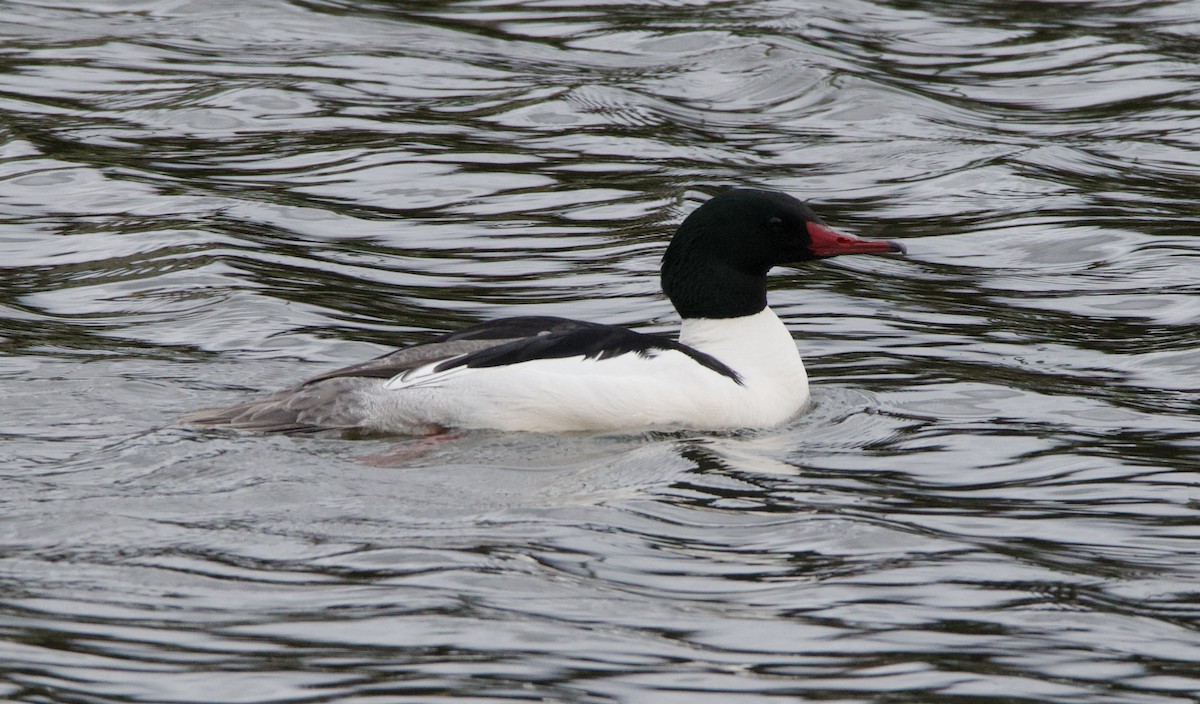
993	492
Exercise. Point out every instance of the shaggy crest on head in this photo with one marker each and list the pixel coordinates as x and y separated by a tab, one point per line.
734	364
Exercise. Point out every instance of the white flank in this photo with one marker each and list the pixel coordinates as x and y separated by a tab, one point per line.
663	390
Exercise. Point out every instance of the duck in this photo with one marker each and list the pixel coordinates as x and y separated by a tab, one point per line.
733	366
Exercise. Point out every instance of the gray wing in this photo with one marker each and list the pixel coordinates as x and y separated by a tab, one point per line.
400	361
466	341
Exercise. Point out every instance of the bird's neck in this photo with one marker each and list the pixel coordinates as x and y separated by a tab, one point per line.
713	289
757	346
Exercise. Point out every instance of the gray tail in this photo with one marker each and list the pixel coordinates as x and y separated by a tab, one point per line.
329	404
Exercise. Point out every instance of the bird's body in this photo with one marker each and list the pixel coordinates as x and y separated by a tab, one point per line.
734	365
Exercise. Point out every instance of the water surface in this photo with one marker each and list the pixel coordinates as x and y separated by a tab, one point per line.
994	498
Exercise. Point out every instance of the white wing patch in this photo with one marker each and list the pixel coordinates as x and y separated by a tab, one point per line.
425	376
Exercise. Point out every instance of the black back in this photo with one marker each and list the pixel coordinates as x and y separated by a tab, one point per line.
588	340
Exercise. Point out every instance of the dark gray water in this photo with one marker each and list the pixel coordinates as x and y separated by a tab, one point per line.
995	498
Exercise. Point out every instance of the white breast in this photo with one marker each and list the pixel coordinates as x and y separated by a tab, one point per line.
762	351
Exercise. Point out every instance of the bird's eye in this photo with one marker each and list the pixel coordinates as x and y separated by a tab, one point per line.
775	224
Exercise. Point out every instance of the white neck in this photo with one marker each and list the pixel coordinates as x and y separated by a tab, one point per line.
758	347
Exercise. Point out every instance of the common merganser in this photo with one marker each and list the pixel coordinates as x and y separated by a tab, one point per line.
734	365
